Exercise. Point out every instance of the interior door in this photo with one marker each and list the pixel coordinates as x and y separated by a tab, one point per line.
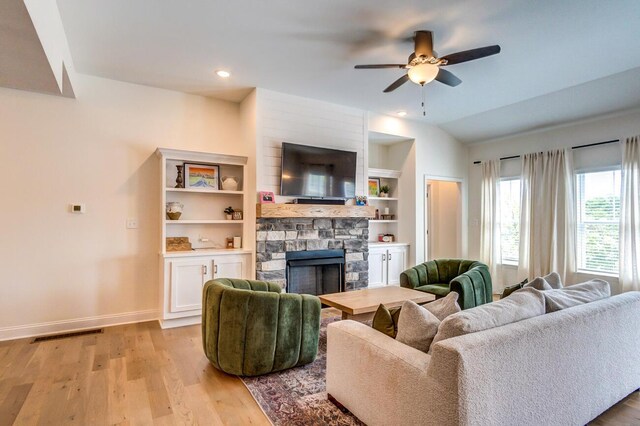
396	264
377	267
187	278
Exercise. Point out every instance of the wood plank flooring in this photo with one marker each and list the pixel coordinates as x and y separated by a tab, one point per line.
139	374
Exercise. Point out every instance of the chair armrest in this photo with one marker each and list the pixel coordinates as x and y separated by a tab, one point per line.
473	286
409	279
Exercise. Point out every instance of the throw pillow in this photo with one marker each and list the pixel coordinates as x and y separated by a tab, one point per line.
416	326
509	290
386	320
444	306
547	282
590	291
523	304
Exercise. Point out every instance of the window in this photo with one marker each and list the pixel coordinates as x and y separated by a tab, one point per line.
598	221
510	220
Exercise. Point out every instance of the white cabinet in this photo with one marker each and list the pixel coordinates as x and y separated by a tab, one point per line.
184	275
187	278
386	263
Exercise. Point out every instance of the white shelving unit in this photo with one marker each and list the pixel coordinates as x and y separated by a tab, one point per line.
386	260
183	273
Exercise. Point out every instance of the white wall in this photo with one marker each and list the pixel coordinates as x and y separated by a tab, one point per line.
604	128
60	268
436	154
287	118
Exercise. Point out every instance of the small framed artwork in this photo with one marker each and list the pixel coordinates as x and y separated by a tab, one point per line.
267	197
237	215
374	187
202	176
361	200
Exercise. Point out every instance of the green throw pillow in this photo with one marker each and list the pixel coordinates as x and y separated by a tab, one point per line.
386	320
508	290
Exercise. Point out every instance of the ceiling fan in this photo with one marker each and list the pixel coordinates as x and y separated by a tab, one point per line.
424	65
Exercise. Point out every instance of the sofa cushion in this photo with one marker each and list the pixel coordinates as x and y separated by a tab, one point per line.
575	295
416	326
386	320
439	289
521	305
513	288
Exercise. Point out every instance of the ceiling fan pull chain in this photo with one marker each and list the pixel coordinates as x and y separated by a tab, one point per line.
424	111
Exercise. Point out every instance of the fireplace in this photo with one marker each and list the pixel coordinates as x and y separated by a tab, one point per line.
315	271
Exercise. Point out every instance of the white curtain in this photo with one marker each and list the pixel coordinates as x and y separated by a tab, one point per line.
630	216
490	221
547	216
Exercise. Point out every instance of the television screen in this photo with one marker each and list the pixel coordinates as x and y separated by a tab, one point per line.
309	171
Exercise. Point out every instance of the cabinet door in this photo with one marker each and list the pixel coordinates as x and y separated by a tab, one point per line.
377	268
233	266
396	264
187	278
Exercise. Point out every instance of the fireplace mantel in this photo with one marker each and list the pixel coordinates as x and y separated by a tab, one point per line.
313	210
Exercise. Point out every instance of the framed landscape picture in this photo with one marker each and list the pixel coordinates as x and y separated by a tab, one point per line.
374	187
201	176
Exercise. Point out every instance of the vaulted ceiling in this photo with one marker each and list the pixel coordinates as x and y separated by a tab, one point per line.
561	60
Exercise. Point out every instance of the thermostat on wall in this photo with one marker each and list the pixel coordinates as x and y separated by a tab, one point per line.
77	208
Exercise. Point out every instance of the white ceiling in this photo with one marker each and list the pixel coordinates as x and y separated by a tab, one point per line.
552	51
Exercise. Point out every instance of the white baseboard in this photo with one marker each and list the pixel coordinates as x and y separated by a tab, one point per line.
66	326
180	322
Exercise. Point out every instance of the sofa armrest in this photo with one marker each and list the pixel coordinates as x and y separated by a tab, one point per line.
374	376
474	287
409	279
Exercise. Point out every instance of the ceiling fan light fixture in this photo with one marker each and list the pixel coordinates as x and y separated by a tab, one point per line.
423	73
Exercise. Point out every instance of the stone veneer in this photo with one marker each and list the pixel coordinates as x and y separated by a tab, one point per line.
276	236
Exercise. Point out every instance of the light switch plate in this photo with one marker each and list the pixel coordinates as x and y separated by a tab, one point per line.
77	208
132	223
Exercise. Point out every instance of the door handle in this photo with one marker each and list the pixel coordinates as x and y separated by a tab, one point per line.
215	270
389	256
384	257
204	269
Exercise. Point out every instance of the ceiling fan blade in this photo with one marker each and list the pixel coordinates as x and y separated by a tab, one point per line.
399	82
424	43
373	67
447	78
470	55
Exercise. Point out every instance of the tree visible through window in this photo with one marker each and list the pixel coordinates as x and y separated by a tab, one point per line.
598	220
510	220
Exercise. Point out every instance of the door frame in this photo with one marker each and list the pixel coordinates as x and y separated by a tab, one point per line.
428	207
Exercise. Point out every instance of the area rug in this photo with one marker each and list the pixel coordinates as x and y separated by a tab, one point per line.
298	396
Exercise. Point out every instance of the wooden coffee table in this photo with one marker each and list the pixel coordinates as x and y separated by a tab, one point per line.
360	305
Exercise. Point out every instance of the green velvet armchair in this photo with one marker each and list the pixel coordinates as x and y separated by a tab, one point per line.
250	328
469	278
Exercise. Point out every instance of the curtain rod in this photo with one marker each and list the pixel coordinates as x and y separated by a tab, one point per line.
573	147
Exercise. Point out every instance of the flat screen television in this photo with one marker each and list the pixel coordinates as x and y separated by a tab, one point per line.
309	171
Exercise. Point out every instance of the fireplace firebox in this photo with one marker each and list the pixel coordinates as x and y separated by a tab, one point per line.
315	271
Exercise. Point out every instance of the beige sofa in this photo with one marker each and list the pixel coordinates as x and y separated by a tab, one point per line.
561	368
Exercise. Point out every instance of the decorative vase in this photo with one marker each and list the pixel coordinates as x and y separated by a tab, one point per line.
229	183
179	178
174	210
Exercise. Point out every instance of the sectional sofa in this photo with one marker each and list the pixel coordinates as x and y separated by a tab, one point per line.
559	368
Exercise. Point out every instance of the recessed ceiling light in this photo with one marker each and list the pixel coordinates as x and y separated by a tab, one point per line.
402	113
223	73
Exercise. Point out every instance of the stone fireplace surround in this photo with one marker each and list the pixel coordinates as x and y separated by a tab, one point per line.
276	236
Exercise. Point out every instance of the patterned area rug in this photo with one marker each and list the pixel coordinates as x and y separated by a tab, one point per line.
298	396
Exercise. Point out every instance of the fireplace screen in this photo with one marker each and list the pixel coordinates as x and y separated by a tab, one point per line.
315	272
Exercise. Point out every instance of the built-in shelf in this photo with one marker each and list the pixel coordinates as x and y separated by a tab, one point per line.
204	222
206	252
384	173
383	198
208	191
383	221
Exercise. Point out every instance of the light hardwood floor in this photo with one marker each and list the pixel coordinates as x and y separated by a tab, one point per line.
140	374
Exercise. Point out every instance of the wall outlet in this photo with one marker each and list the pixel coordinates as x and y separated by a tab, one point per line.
132	223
